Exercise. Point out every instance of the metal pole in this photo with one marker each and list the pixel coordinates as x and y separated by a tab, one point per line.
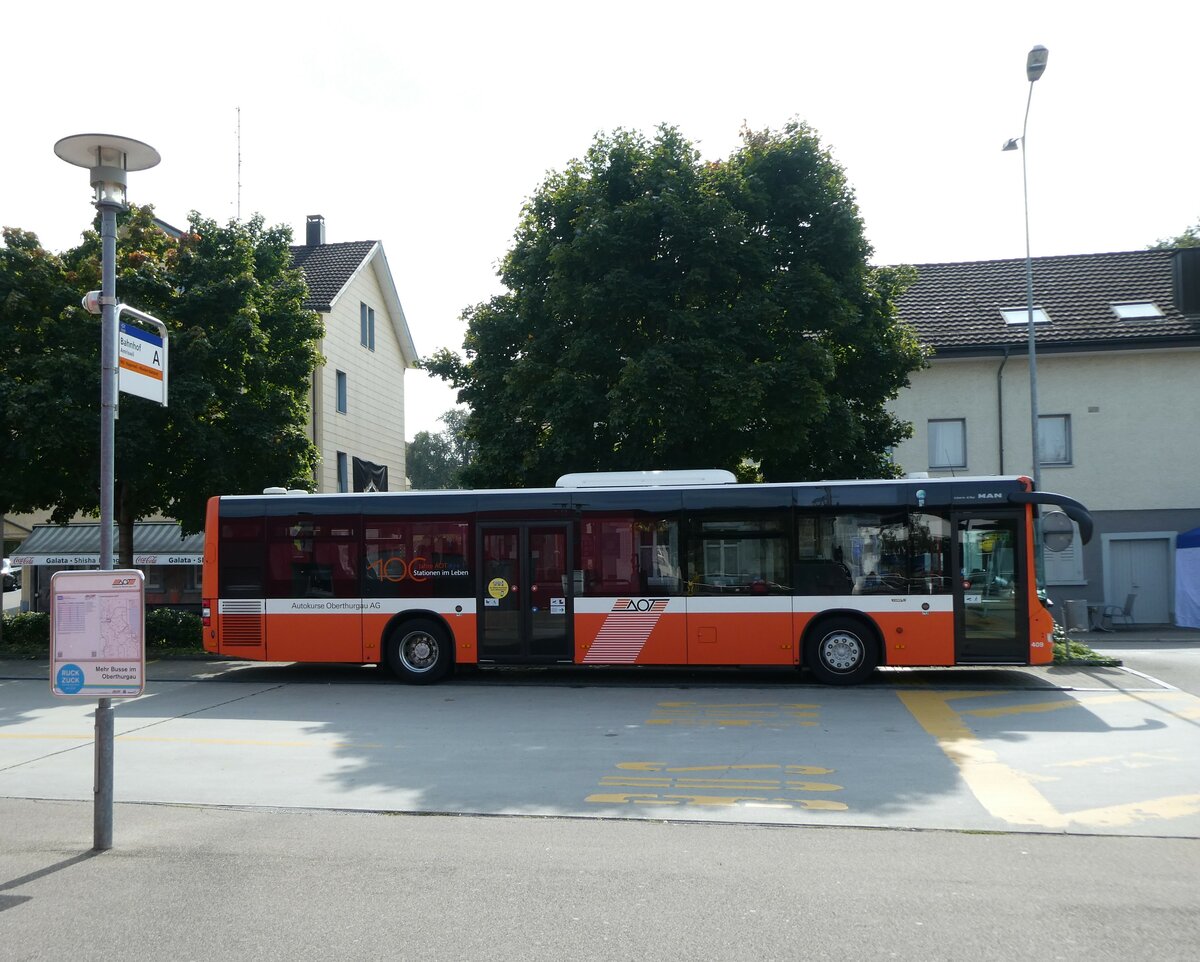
102	809
108	378
102	814
1033	386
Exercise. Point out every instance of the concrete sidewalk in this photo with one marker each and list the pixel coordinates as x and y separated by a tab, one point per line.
192	883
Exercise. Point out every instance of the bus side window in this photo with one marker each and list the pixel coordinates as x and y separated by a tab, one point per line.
240	571
417	559
312	557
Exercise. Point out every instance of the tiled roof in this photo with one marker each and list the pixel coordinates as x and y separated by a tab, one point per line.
327	269
955	308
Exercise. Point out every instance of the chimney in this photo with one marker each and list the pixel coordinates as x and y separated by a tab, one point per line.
1187	280
315	230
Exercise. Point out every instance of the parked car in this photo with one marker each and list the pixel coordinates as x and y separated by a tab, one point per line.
12	576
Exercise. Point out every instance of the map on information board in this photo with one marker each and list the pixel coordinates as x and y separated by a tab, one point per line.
97	644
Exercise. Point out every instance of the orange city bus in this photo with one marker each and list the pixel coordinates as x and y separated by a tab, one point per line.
636	568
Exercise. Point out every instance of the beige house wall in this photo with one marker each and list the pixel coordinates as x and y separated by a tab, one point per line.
1134	417
373	426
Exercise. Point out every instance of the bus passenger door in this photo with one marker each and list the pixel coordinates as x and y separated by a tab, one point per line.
523	604
991	621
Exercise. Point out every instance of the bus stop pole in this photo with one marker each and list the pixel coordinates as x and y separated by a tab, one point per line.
102	814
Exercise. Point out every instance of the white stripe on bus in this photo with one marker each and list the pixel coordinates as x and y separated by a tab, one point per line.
732	605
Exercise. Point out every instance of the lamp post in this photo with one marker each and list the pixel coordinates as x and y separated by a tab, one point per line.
108	158
1035	66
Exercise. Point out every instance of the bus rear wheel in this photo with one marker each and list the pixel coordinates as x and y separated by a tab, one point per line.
841	651
419	652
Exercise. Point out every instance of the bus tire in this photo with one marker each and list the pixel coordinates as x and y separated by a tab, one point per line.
841	651
419	652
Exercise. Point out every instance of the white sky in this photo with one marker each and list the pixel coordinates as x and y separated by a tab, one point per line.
428	128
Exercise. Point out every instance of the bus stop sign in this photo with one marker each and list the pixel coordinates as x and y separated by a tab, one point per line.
97	634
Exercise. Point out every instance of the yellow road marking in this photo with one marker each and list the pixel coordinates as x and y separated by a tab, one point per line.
1043	706
716	801
1174	806
765	766
621	798
1010	795
1003	791
634	781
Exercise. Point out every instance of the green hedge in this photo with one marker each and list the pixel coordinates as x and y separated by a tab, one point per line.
28	631
166	630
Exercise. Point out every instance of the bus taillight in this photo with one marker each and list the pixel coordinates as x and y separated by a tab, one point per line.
206	615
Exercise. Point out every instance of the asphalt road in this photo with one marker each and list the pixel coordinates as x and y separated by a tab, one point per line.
1053	750
688	815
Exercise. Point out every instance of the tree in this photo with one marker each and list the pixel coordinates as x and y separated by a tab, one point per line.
1189	238
662	312
437	460
242	353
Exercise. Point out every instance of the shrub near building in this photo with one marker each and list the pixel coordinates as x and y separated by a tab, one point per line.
168	632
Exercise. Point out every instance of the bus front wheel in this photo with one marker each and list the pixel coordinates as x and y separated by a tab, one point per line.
841	651
419	652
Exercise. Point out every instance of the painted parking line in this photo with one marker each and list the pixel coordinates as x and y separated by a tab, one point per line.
1011	795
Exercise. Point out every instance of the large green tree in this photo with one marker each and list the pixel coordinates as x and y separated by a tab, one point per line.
242	352
438	460
664	312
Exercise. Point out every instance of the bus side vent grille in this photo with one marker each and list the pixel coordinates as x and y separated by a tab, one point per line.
235	606
242	622
241	631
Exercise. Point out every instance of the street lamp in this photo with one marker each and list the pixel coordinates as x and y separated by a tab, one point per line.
108	158
1035	66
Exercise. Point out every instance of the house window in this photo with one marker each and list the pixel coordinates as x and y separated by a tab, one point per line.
1020	315
343	471
948	443
366	325
1054	438
341	392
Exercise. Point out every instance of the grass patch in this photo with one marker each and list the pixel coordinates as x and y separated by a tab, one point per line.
1071	651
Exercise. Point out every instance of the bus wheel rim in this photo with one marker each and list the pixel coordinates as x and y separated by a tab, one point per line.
842	651
419	651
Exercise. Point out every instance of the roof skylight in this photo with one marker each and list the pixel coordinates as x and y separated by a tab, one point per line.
1020	315
1137	311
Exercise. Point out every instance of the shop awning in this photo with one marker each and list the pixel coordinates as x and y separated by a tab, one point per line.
154	543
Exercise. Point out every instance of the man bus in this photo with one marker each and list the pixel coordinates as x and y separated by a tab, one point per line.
636	568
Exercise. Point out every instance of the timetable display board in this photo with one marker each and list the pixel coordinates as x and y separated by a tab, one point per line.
97	634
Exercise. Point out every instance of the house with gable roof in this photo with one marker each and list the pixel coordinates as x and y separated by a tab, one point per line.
357	400
356	420
1118	374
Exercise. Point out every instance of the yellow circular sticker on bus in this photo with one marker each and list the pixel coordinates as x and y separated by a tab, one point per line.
497	588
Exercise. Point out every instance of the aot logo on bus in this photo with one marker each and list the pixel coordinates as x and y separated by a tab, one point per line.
640	604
